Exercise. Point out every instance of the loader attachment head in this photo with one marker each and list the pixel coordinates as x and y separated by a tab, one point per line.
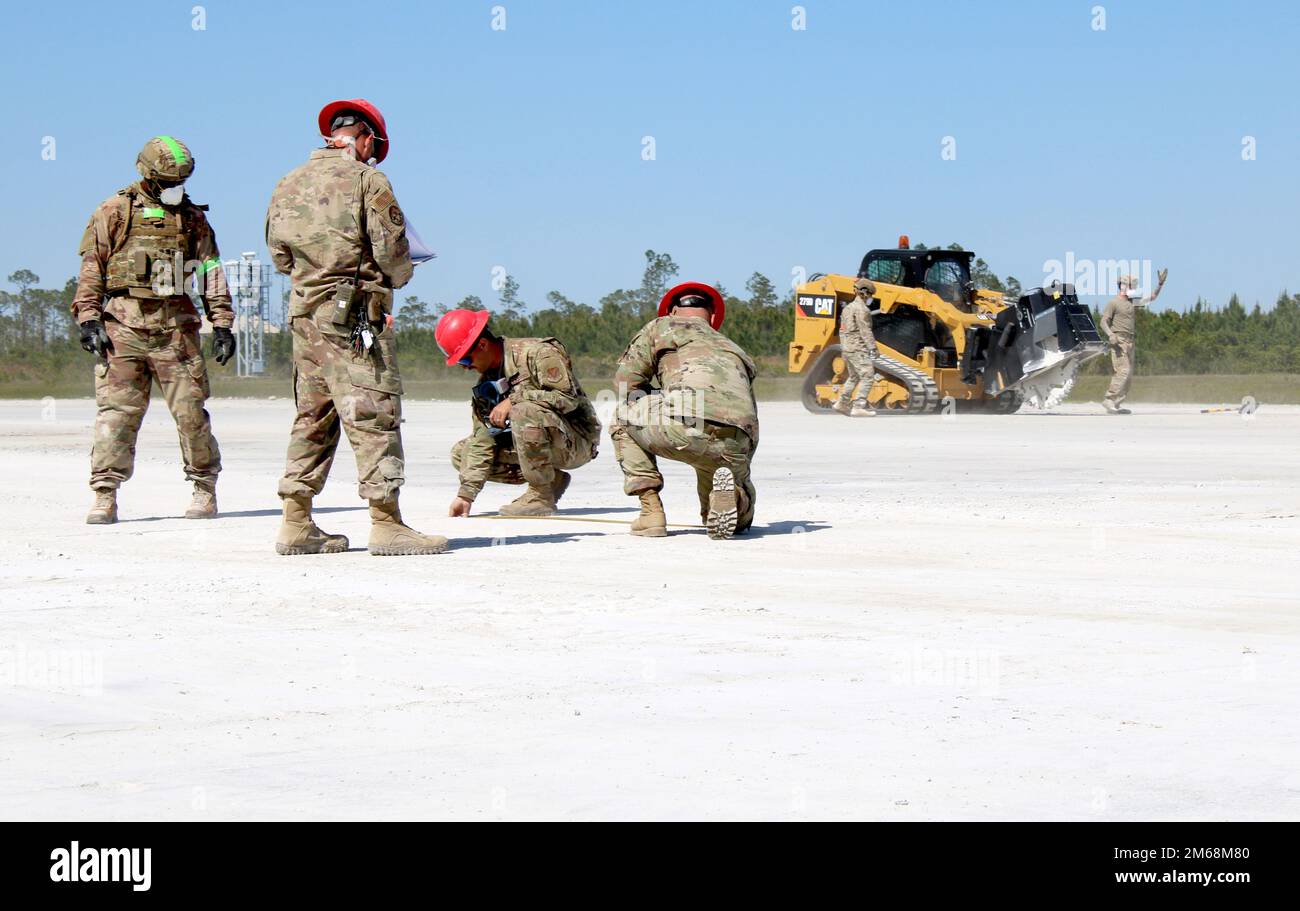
1038	345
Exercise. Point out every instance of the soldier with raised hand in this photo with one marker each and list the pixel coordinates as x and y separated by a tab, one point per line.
334	226
686	392
858	348
530	418
1119	325
142	249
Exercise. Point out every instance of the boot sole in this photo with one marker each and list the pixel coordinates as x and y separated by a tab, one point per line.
407	551
200	515
301	550
106	520
534	513
650	532
723	506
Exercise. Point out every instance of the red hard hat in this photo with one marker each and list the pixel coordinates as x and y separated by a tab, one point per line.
366	110
457	332
719	305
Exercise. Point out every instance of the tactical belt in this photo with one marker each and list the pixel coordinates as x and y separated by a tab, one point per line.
713	429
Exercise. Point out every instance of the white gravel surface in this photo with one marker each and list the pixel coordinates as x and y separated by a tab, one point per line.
1062	616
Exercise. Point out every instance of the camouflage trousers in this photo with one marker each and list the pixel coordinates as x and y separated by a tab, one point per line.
140	356
544	443
360	394
704	446
1121	358
861	377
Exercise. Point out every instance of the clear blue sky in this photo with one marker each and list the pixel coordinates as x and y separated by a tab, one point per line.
775	148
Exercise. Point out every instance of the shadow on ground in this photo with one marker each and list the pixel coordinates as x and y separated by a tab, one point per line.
782	528
511	540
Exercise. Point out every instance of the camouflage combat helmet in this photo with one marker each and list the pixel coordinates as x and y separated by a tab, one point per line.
864	286
165	159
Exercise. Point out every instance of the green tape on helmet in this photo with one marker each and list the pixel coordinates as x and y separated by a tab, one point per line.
175	148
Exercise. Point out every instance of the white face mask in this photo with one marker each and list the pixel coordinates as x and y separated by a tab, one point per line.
350	144
172	196
1135	294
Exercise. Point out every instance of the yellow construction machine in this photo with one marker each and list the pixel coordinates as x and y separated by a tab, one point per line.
943	342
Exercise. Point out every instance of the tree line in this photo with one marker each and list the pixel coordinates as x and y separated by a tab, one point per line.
37	330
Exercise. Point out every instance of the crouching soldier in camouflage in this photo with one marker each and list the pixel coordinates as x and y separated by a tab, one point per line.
531	419
335	227
703	413
137	256
858	347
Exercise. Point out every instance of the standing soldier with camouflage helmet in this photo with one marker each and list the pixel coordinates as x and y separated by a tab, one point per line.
1119	325
703	412
531	419
137	256
335	227
858	348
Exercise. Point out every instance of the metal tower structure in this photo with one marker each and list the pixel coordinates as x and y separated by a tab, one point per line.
250	291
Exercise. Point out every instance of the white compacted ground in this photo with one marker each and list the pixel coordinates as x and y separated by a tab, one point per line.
1060	616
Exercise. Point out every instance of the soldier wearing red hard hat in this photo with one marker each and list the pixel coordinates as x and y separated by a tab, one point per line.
530	418
686	393
334	226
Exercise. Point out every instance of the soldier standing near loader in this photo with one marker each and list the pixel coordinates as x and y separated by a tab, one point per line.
703	412
531	419
335	227
137	253
1119	325
858	347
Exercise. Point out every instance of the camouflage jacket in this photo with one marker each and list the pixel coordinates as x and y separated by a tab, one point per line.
539	371
106	235
701	374
335	218
856	336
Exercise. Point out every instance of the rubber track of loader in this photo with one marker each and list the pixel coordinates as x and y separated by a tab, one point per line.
922	393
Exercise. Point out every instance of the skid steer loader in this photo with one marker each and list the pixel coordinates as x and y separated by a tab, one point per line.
942	341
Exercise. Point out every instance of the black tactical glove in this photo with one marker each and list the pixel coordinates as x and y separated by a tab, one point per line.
94	339
223	344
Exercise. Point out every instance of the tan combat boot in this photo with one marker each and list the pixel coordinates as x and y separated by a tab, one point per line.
724	508
842	407
204	503
652	523
299	534
536	502
389	537
104	512
562	479
861	410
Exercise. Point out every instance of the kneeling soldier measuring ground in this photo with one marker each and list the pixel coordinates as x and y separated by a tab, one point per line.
531	419
703	412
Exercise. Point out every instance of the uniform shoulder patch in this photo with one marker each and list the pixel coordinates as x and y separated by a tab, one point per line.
385	205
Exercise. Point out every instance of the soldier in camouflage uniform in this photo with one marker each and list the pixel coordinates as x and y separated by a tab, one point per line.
703	412
1119	325
858	348
142	248
335	227
530	418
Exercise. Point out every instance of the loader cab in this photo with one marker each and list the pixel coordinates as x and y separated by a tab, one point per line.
945	273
